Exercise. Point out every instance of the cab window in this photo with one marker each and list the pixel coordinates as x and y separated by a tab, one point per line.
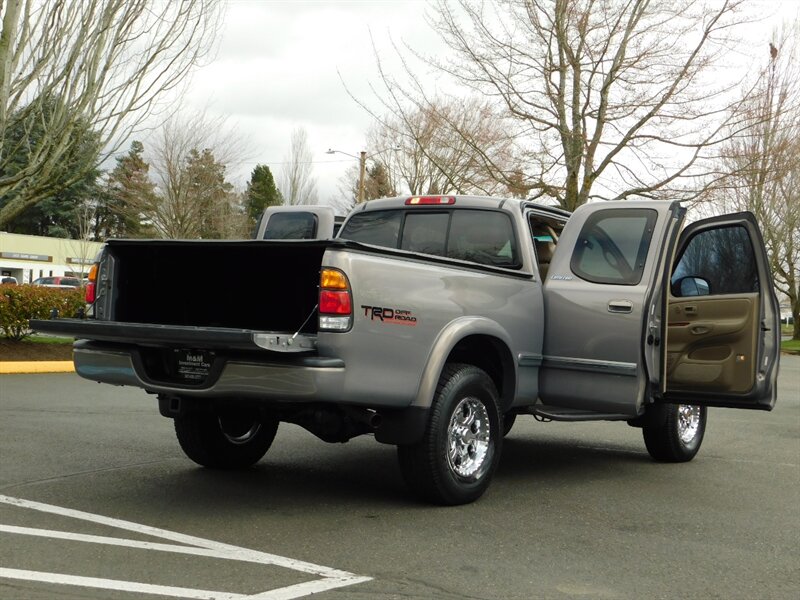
485	237
612	246
714	262
291	226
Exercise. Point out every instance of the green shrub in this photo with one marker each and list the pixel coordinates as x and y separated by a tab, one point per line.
21	303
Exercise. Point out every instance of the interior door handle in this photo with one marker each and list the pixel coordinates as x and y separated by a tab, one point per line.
620	306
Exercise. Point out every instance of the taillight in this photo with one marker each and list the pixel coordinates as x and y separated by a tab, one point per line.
415	200
335	301
91	287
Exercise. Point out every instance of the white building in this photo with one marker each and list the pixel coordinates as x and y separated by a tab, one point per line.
28	257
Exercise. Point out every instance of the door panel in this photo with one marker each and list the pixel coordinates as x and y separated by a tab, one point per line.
722	331
712	343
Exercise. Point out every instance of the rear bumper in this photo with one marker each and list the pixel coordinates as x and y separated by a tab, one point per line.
298	378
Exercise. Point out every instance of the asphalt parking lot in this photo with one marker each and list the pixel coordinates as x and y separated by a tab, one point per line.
97	501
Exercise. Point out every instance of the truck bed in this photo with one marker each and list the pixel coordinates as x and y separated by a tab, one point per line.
251	285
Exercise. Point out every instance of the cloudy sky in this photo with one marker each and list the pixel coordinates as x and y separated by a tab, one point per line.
280	64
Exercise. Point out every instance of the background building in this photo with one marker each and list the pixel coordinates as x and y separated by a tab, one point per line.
28	257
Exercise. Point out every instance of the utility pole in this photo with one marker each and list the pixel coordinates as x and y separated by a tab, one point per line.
362	169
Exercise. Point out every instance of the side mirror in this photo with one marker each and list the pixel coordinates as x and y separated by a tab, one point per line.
691	286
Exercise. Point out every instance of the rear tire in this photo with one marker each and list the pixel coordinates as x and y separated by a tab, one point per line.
459	452
679	437
231	439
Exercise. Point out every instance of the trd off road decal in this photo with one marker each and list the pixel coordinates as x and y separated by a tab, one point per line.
390	315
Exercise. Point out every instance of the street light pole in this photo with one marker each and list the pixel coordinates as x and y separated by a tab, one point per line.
362	168
362	171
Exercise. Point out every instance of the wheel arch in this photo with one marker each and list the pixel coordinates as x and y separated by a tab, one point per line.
476	341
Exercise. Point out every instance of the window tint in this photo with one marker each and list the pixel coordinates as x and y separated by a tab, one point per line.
380	228
722	258
481	236
71	281
612	246
291	226
484	237
425	232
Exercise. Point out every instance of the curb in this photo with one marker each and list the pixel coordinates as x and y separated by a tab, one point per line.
36	366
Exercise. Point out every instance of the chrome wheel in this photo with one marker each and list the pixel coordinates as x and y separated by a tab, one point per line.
468	438
688	422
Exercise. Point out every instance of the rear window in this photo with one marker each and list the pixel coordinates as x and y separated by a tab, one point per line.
379	228
291	226
481	236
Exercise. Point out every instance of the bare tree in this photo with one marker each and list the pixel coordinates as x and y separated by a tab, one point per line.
764	165
444	146
298	185
609	98
102	62
83	248
191	197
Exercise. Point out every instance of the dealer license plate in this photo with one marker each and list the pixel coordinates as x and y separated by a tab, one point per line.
192	365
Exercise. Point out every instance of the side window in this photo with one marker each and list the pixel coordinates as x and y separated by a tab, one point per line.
485	237
425	232
716	261
379	228
612	246
291	226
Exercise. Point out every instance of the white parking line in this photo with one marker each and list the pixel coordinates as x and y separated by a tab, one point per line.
331	578
119	586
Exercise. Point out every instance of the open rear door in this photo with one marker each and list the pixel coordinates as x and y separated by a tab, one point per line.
722	326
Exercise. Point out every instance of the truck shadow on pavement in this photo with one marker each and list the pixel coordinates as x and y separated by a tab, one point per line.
528	458
297	478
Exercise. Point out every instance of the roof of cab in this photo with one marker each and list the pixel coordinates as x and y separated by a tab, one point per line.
462	201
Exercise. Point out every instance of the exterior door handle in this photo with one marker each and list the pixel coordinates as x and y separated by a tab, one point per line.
620	306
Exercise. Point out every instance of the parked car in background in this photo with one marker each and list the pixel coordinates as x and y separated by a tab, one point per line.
299	222
58	282
8	280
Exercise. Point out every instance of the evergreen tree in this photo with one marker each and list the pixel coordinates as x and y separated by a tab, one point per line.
128	198
210	193
377	183
56	214
261	192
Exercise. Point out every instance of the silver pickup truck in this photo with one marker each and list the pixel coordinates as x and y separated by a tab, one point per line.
434	322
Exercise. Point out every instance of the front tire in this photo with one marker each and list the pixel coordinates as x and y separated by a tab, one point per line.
229	439
459	452
679	437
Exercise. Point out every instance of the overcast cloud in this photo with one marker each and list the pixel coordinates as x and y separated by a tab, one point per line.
278	66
